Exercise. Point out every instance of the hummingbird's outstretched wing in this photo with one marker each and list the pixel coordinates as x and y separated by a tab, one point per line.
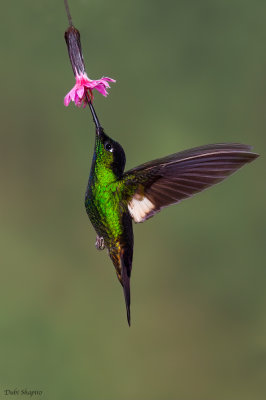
165	181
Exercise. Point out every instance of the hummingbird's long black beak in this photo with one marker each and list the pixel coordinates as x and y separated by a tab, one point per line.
94	115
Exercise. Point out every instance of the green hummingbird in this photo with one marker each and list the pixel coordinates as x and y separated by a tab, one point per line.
115	198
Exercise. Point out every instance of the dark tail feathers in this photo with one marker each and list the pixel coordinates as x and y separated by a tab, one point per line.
126	285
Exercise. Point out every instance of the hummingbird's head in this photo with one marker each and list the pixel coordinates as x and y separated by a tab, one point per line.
110	152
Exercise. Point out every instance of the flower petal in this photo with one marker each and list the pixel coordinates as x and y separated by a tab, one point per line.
101	89
83	84
80	91
67	100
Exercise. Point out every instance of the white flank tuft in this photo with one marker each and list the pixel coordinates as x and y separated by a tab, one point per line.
139	209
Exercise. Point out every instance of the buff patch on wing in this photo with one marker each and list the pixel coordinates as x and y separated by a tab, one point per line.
140	207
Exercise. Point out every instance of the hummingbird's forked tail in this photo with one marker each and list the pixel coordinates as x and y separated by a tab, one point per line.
122	260
126	284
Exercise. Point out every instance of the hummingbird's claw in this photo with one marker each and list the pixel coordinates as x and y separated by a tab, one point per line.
99	244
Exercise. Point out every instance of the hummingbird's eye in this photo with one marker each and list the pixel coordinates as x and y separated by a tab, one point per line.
108	147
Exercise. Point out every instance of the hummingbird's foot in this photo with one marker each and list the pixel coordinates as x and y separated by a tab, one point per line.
99	244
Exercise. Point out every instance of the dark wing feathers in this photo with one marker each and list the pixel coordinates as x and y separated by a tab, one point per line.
194	152
168	180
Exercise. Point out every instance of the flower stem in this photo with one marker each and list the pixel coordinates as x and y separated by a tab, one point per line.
72	38
68	13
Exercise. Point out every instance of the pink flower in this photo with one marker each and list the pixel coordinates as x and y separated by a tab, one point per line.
84	86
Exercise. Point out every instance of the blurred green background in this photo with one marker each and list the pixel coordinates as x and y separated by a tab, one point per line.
188	73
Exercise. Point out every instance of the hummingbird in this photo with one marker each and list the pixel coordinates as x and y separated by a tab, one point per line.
114	198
